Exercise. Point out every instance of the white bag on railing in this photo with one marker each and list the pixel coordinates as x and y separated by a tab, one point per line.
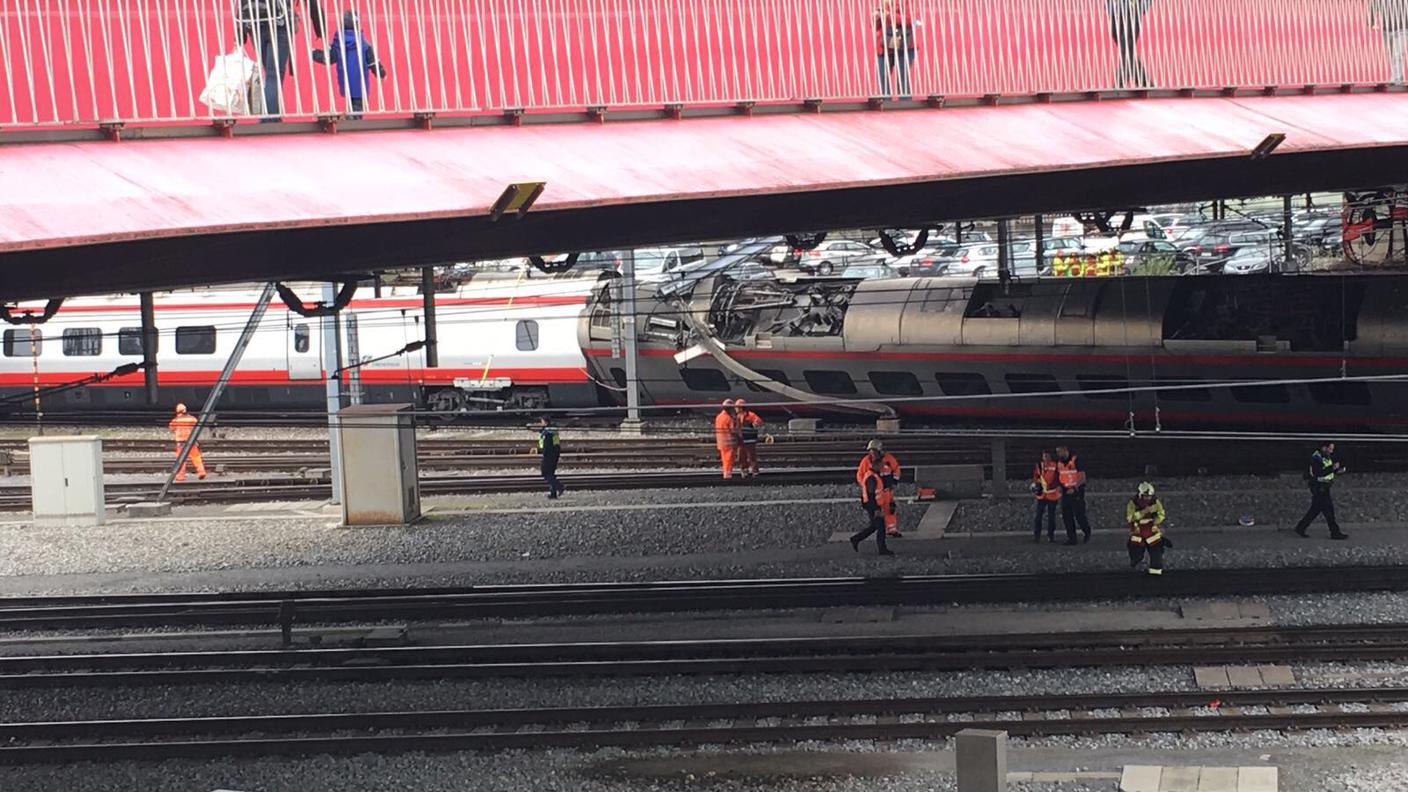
227	87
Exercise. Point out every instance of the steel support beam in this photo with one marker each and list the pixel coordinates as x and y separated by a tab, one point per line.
1289	240
1039	242
628	330
427	297
1004	252
207	412
332	367
149	343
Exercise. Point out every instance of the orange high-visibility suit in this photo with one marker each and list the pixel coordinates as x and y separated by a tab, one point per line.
749	427
726	438
888	469
181	427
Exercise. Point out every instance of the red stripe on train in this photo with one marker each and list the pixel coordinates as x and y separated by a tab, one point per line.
391	302
437	376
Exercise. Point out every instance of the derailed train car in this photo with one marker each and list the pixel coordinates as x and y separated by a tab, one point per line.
1145	352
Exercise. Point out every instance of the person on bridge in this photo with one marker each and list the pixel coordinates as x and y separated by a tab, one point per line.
750	427
269	26
182	424
550	450
896	48
1071	474
726	437
872	486
1126	19
1391	18
1144	514
888	469
1046	486
352	56
1320	477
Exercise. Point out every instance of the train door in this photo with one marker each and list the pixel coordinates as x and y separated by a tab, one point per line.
301	351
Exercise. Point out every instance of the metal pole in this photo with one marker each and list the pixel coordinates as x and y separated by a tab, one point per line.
628	329
427	297
332	363
354	356
1287	264
207	412
149	341
1004	252
1040	242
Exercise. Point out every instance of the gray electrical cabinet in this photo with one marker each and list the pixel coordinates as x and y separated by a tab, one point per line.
380	483
66	480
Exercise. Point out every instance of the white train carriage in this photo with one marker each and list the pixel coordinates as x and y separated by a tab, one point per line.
502	344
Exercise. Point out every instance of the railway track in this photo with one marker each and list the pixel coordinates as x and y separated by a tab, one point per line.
510	601
827	654
637	726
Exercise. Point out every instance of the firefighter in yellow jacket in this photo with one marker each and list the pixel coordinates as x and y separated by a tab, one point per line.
1145	516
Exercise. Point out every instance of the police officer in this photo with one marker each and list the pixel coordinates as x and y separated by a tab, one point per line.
550	447
1144	514
1072	477
1321	476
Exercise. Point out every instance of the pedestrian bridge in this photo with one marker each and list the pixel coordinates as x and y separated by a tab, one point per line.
126	163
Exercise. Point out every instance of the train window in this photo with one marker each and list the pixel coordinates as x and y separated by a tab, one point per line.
129	341
302	338
776	376
1354	394
896	383
526	335
962	383
17	342
704	379
83	341
619	375
829	381
195	340
1103	383
1032	383
1262	394
1183	394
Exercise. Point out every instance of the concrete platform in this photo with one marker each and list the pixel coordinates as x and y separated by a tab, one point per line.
1157	778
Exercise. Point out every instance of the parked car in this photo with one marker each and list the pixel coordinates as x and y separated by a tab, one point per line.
870	271
927	262
1314	231
1213	249
655	264
1154	257
1271	258
751	271
834	255
980	261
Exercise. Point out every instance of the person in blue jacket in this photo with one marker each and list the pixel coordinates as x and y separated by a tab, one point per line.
352	56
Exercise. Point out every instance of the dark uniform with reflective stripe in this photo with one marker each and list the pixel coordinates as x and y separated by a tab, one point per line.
1321	476
550	447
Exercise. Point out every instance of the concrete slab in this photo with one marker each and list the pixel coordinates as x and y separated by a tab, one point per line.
1258	779
1140	778
857	615
1225	610
1277	676
1254	610
935	520
148	509
1211	677
1245	677
1218	779
1179	779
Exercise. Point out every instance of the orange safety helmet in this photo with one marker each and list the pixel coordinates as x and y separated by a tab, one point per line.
180	409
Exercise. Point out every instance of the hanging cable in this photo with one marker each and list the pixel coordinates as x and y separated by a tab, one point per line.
898	249
318	309
28	317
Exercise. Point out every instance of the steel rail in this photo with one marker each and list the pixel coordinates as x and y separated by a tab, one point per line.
876	719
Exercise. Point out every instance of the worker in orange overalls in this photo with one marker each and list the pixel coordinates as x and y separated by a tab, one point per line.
749	430
181	427
888	469
1046	486
871	486
726	437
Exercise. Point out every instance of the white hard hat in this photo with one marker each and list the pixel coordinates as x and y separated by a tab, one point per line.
875	445
1146	489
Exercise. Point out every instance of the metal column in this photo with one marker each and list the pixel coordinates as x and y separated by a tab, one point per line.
427	297
1004	252
628	329
1039	242
332	364
207	412
1287	263
354	356
149	342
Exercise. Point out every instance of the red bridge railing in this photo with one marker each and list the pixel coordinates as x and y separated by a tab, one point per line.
86	62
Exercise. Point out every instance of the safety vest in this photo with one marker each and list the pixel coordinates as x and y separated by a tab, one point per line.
181	427
748	425
1058	265
888	469
548	440
863	479
725	429
1144	523
1047	475
1104	264
1119	263
1092	266
1322	468
1070	477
